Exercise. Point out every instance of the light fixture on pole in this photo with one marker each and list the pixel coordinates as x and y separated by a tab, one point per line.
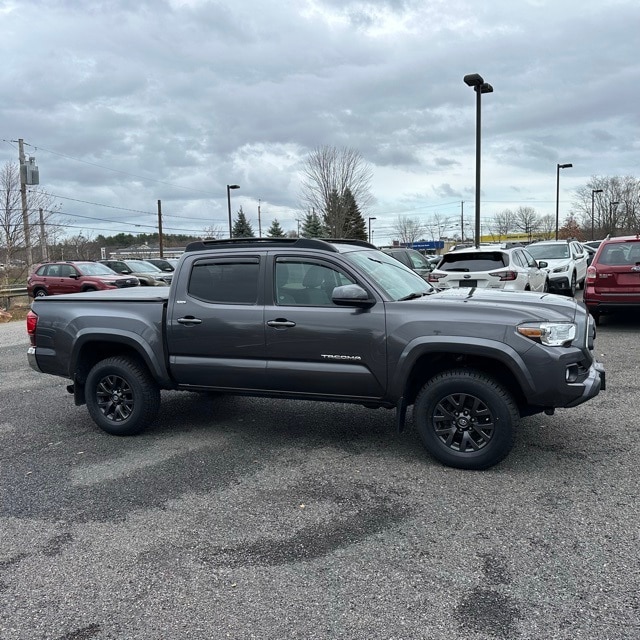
370	219
476	81
229	187
558	167
593	192
611	205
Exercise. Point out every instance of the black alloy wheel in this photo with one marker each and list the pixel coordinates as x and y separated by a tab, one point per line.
466	419
122	397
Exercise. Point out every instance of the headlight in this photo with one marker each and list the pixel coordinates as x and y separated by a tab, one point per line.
564	267
553	334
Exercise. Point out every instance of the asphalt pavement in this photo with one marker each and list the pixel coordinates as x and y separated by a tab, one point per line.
251	518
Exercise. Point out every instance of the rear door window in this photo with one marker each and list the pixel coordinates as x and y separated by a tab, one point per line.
225	281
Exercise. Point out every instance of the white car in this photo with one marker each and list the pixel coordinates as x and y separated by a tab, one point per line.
490	267
566	263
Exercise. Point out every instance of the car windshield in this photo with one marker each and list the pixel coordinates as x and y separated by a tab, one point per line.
141	266
549	251
95	269
396	280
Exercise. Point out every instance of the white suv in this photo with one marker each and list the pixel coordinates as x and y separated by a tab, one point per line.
567	263
490	267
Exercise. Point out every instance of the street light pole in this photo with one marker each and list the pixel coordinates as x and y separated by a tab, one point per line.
476	81
370	219
558	167
593	191
611	205
229	187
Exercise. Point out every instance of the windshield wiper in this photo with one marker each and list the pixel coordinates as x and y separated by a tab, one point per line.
413	295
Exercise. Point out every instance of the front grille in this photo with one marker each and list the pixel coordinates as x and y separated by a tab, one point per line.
129	282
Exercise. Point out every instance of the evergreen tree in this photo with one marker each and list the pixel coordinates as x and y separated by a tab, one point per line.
354	226
242	227
275	230
334	217
312	226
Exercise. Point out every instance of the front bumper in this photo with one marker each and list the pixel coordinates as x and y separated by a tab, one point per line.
559	284
592	385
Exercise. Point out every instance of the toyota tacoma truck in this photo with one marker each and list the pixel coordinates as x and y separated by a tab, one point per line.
333	321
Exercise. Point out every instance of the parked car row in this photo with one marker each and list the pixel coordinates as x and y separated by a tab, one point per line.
75	276
556	266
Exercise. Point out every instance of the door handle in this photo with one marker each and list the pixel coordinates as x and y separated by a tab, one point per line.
189	320
281	323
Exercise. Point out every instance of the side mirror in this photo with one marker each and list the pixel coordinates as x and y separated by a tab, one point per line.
351	295
542	264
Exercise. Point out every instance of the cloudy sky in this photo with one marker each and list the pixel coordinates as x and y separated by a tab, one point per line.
126	103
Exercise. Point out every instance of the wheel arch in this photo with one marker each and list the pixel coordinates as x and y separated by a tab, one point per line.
89	349
498	361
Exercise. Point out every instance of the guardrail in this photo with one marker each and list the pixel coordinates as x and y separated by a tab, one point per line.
7	293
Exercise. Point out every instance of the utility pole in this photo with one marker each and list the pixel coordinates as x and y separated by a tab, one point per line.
462	221
160	228
259	221
25	210
43	238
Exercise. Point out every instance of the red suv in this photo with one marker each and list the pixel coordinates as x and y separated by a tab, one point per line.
613	278
51	278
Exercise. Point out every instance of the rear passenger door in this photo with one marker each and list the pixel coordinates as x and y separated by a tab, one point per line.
313	346
215	328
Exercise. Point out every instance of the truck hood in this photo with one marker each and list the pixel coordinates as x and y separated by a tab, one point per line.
522	305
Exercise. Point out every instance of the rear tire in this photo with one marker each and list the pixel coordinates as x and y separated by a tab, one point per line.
122	397
39	293
466	419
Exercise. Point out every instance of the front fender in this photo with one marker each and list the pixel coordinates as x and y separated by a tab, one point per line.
500	352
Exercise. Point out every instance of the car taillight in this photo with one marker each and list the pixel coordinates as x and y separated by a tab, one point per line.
505	275
434	277
591	273
32	324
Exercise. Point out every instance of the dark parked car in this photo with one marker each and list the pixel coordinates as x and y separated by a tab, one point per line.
164	264
613	278
148	274
412	259
52	278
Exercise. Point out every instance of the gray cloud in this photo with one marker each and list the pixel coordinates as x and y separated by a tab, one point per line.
125	103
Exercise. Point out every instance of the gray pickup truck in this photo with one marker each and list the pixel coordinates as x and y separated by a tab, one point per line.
335	321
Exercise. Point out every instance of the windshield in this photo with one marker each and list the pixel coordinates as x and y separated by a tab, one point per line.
95	269
141	266
396	280
549	251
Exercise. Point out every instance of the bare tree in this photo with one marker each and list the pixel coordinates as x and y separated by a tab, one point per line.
11	213
408	230
12	228
503	223
526	220
326	176
606	217
547	226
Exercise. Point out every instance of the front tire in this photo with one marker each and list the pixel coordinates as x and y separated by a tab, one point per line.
466	419
122	397
572	286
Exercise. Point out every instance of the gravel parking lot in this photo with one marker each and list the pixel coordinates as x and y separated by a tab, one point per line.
250	518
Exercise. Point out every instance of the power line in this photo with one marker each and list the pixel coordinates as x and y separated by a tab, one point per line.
126	173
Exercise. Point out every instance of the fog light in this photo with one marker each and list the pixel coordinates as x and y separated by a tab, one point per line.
571	374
